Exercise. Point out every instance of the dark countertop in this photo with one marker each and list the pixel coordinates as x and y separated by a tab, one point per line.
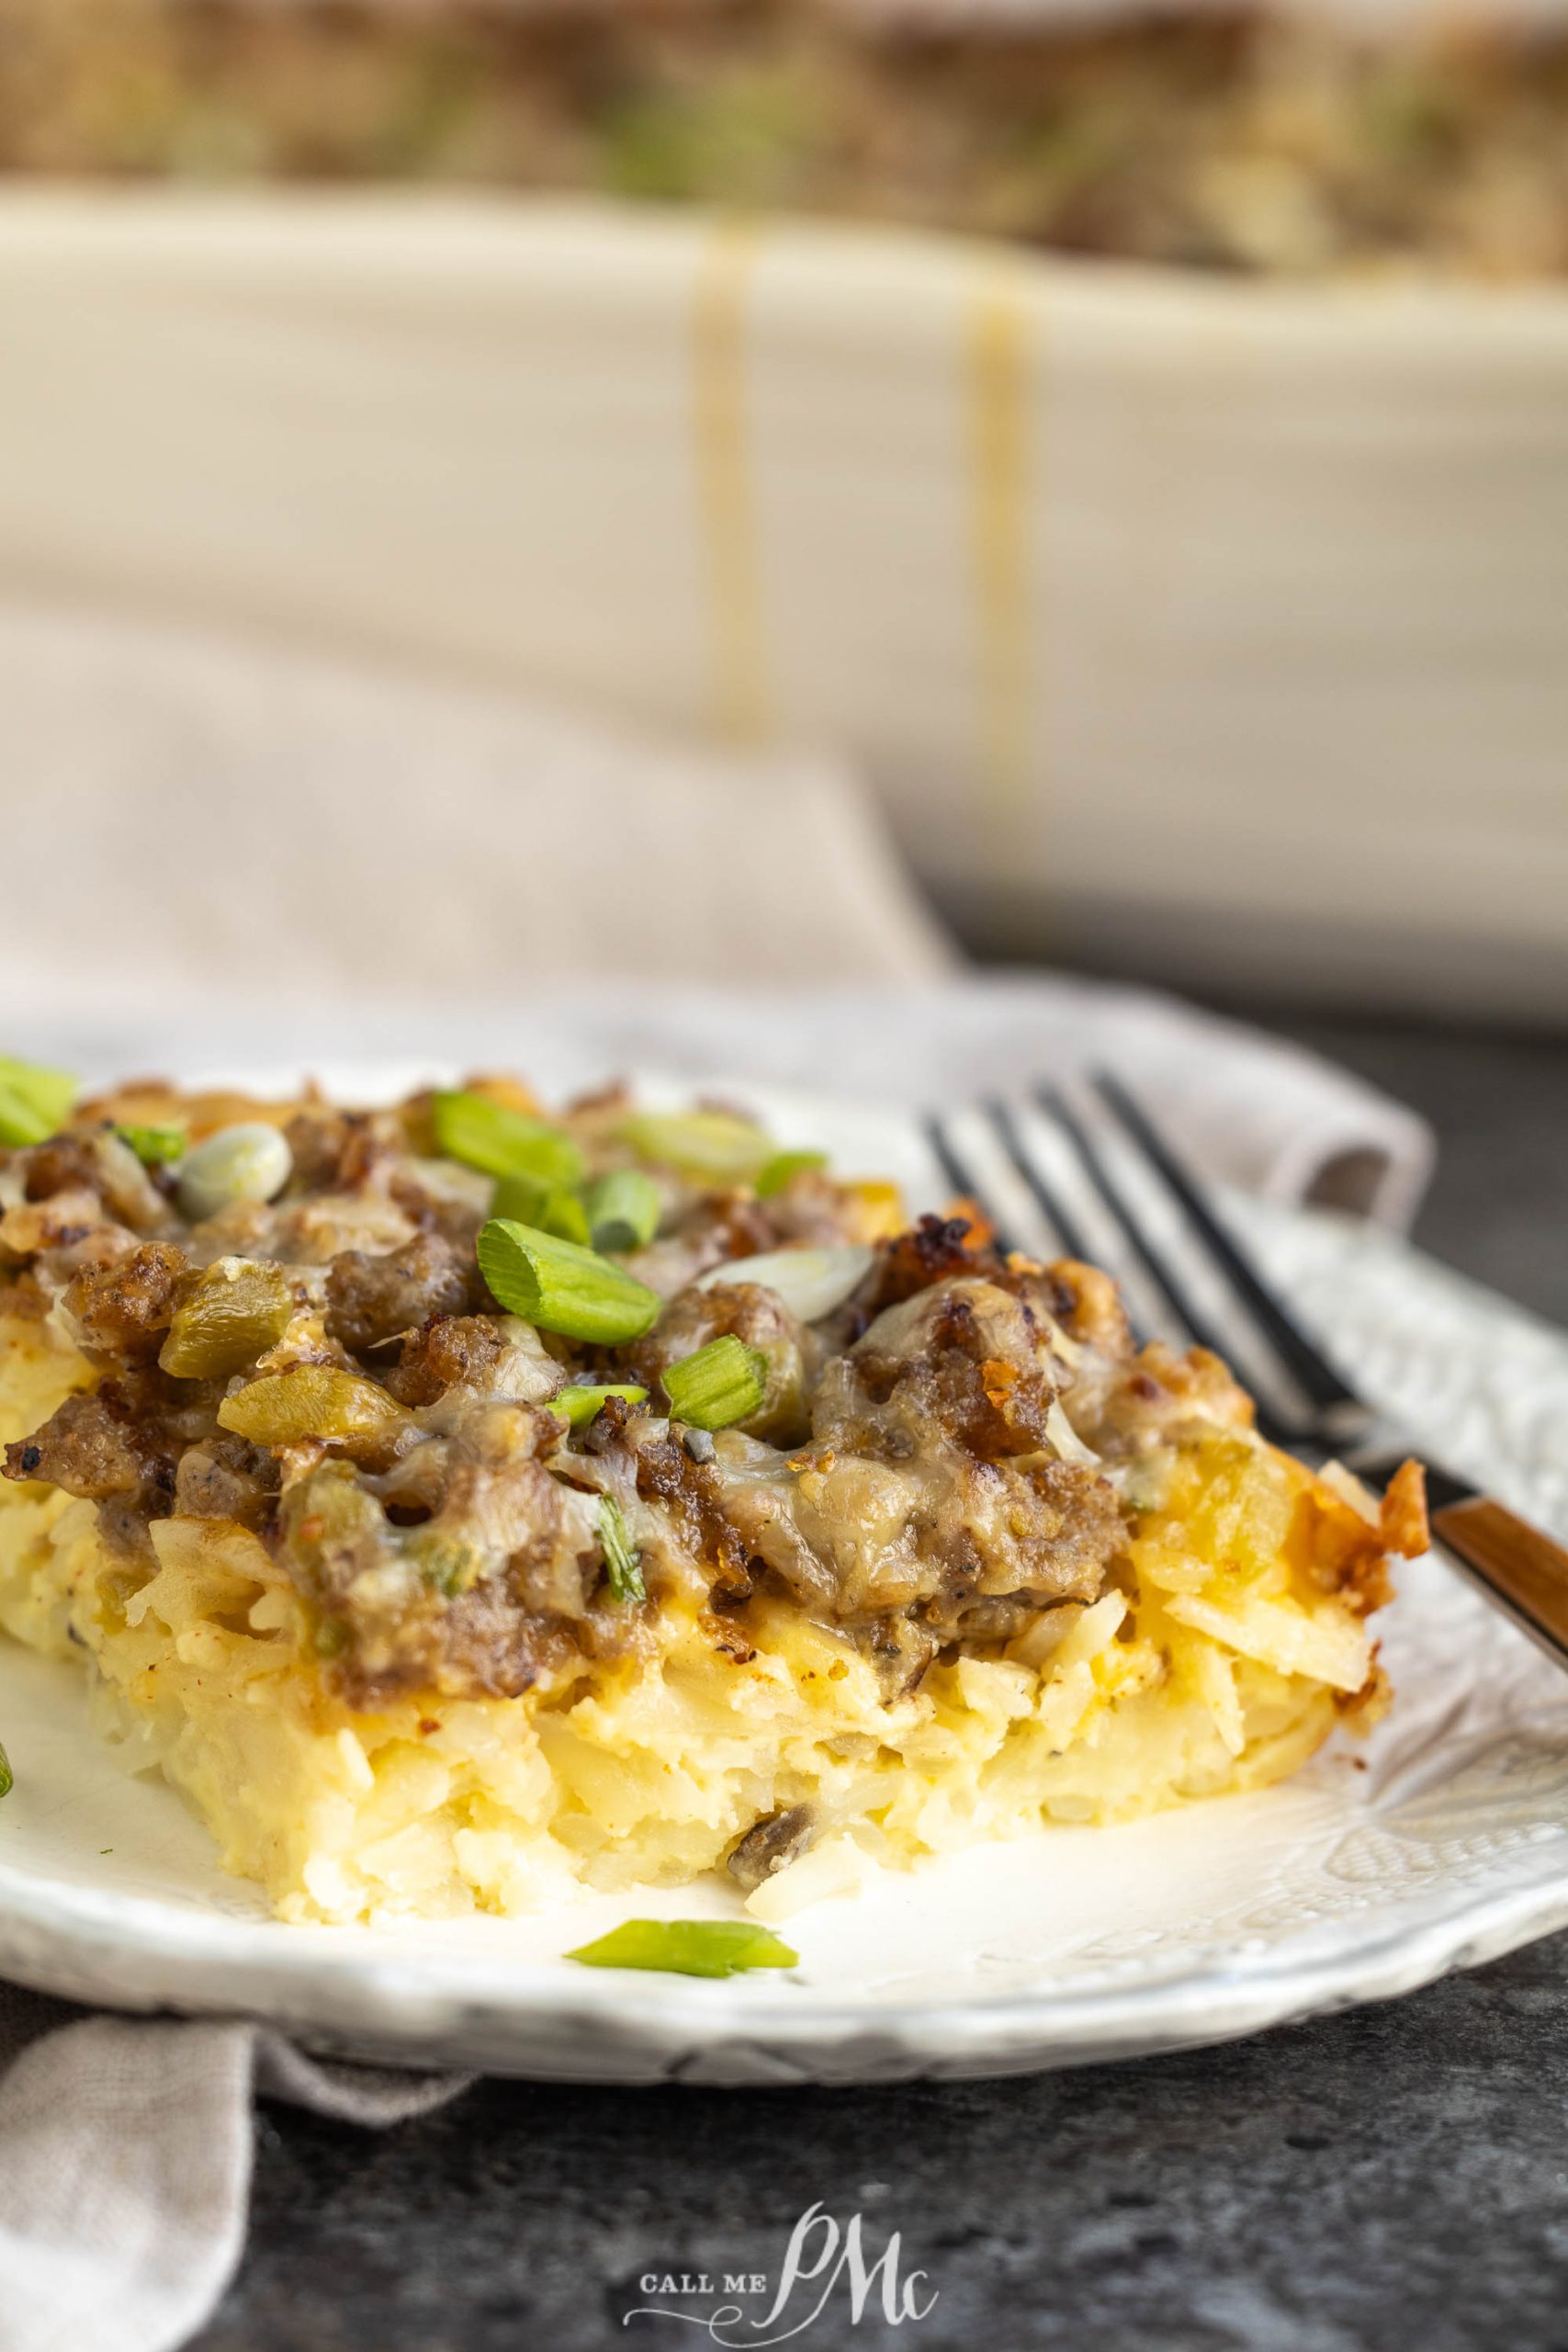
1394	2177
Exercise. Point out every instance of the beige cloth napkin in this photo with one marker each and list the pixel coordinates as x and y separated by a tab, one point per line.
127	2164
225	856
200	814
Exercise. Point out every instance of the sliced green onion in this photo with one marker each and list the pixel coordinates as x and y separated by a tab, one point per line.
810	1283
783	1167
724	1382
559	1286
564	1215
622	1558
7	1778
519	1197
248	1162
581	1404
714	1144
35	1103
20	1121
153	1147
547	1209
688	1946
623	1209
503	1142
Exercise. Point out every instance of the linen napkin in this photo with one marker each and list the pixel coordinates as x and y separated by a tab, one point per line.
127	2161
1248	1110
210	817
269	862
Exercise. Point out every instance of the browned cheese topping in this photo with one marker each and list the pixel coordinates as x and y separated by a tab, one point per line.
944	1456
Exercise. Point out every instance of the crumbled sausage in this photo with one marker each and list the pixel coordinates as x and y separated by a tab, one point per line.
373	1298
448	1350
89	1448
771	1845
123	1310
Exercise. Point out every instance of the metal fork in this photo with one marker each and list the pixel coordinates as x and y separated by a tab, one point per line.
1087	1170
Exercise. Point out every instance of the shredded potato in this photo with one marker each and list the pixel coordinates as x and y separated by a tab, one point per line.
1223	1671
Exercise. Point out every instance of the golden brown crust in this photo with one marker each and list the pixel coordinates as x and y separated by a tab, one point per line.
1404	1525
933	1248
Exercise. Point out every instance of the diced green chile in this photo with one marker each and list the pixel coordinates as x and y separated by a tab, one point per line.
312	1400
239	1310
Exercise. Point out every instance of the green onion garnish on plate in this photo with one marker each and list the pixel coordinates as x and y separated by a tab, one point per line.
785	1165
35	1103
621	1557
623	1209
502	1142
714	1144
580	1404
722	1383
7	1778
153	1147
559	1287
688	1946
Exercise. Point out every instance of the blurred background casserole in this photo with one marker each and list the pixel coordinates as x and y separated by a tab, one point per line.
1179	549
1199	135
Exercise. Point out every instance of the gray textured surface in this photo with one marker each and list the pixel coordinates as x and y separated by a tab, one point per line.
1395	2176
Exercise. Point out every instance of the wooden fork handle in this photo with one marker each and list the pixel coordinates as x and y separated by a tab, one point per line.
1525	1569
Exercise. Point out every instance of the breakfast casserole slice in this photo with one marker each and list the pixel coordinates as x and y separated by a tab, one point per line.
459	1505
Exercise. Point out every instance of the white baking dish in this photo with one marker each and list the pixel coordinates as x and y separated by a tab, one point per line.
1216	629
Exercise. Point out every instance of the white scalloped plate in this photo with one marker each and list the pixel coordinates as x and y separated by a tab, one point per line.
1442	1842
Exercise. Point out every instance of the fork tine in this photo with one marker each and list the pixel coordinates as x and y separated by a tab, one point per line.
1154	1261
1278	1423
1046	1198
957	1173
1314	1373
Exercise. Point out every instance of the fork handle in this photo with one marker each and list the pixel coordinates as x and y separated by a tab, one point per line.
1518	1565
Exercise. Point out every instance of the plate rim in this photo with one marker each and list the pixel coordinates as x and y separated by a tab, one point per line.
1032	2031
